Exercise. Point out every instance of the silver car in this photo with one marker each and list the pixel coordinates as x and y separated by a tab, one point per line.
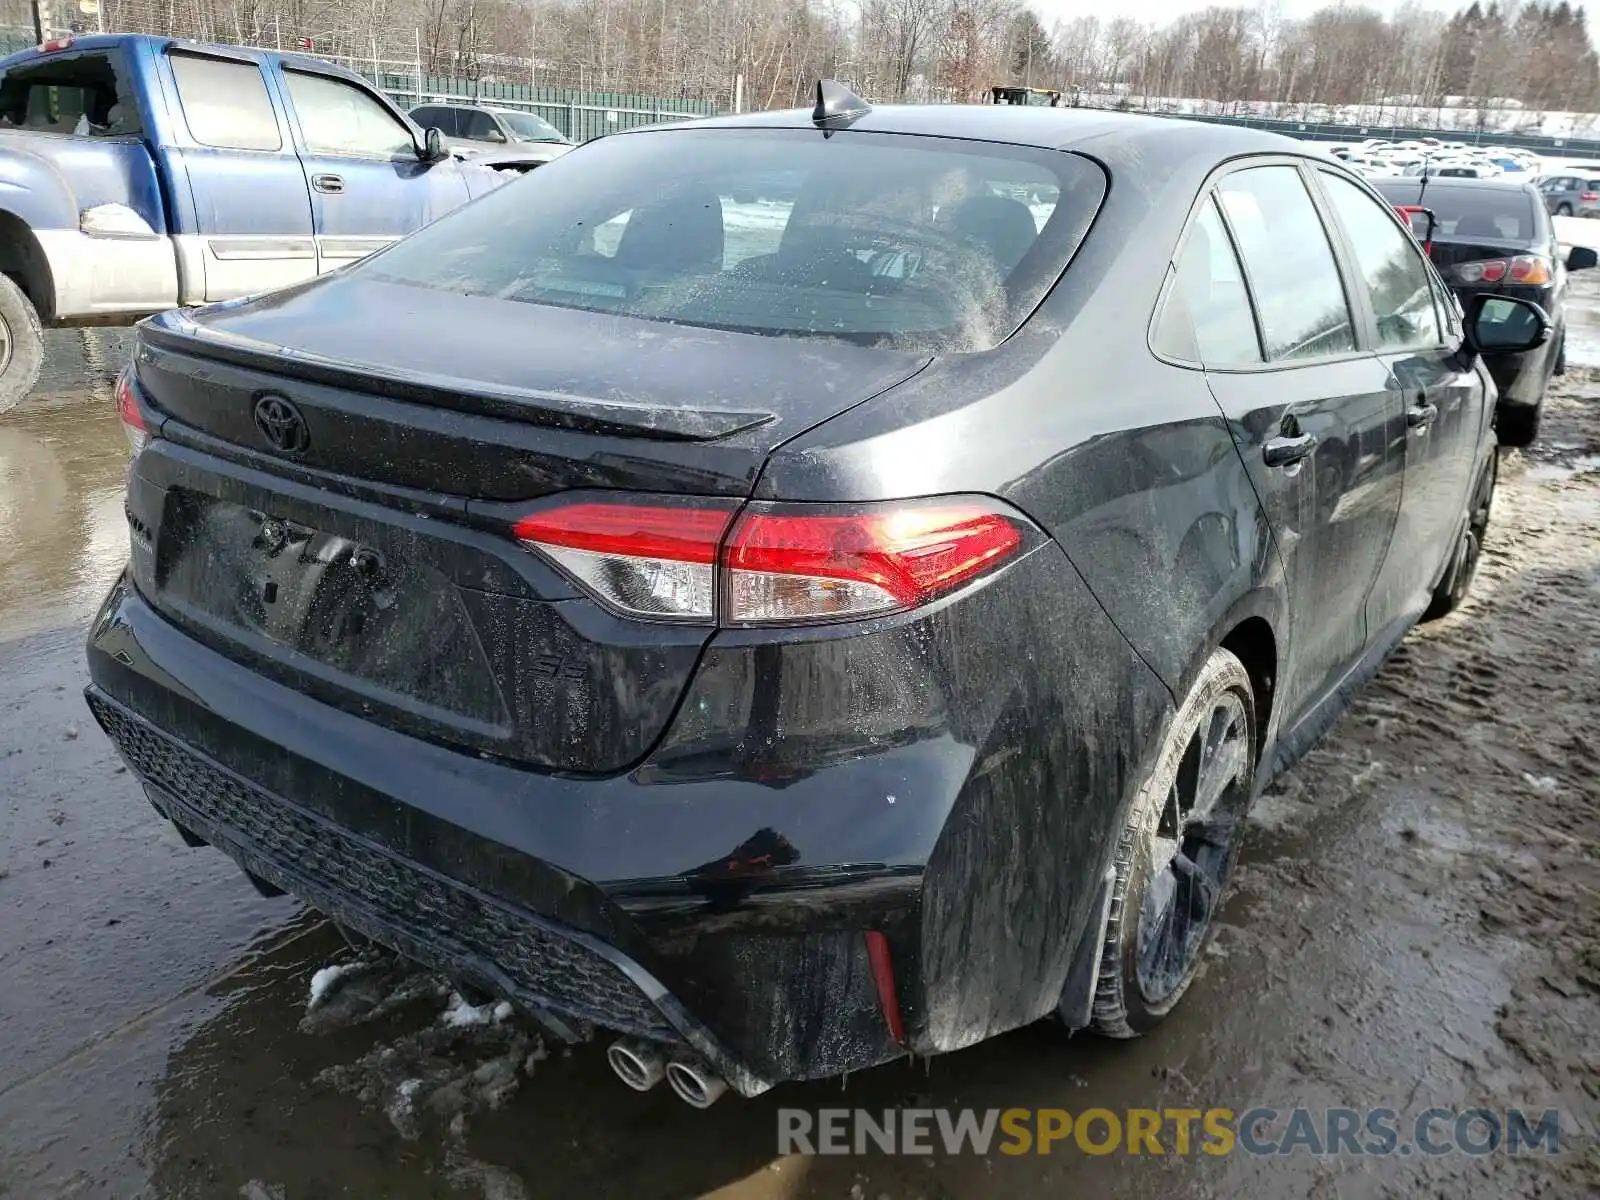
473	129
1572	195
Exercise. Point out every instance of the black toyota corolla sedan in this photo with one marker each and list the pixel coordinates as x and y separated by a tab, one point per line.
783	635
1494	236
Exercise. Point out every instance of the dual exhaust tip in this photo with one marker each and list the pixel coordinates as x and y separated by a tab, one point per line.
641	1065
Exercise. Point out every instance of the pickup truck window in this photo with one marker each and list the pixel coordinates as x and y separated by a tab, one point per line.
339	118
85	94
225	103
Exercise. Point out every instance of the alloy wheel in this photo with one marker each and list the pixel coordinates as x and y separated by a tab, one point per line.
1192	847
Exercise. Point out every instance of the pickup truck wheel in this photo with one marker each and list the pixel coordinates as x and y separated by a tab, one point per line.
21	345
1175	854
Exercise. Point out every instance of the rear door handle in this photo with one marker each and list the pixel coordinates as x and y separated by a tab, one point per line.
332	184
1286	451
1420	416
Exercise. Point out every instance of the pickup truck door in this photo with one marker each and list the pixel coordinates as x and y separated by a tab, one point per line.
242	213
368	186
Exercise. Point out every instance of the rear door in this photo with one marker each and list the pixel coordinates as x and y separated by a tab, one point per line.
1442	396
1316	422
244	218
368	187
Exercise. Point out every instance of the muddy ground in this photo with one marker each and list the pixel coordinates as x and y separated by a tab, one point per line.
1415	922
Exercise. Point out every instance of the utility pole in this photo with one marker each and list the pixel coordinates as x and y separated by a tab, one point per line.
38	21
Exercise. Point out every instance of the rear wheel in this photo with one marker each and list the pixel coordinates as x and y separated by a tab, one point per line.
1175	855
1563	210
21	345
1517	426
1464	559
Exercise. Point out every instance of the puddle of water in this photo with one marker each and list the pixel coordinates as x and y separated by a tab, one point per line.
63	459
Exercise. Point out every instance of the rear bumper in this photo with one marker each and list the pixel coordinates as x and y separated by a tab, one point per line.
691	901
571	980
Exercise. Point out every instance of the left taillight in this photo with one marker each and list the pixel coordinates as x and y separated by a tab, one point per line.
776	564
134	424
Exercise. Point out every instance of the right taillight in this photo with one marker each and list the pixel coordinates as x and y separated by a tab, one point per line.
777	564
1589	197
1528	269
784	565
133	422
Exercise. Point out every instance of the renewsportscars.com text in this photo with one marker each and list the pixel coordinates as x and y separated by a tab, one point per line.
1180	1131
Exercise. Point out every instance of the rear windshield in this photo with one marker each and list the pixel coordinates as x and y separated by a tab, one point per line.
872	238
1505	214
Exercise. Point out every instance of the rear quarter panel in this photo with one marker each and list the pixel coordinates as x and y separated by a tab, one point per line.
1128	464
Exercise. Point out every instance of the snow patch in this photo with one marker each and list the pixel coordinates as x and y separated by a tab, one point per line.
1541	783
326	979
461	1015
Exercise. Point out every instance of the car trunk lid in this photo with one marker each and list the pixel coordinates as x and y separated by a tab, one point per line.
367	559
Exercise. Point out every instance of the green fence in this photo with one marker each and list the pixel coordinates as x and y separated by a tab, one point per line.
580	115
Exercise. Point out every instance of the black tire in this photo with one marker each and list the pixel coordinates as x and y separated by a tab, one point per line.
21	345
1162	857
1517	426
1468	552
1563	210
1561	355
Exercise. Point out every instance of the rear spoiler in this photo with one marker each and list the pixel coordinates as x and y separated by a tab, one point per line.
1414	215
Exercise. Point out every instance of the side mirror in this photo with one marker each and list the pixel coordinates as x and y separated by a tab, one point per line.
1582	258
497	135
1505	324
433	146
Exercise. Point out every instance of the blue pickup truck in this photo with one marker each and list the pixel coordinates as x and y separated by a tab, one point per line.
139	174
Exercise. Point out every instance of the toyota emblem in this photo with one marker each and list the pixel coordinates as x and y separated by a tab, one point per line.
281	424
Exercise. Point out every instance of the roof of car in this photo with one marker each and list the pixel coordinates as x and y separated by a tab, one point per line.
1456	182
1045	128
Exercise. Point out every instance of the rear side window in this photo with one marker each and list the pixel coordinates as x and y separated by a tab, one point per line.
225	104
1291	266
1395	276
85	94
339	118
1207	317
877	239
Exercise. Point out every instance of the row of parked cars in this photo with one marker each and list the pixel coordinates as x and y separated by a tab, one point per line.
1379	157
